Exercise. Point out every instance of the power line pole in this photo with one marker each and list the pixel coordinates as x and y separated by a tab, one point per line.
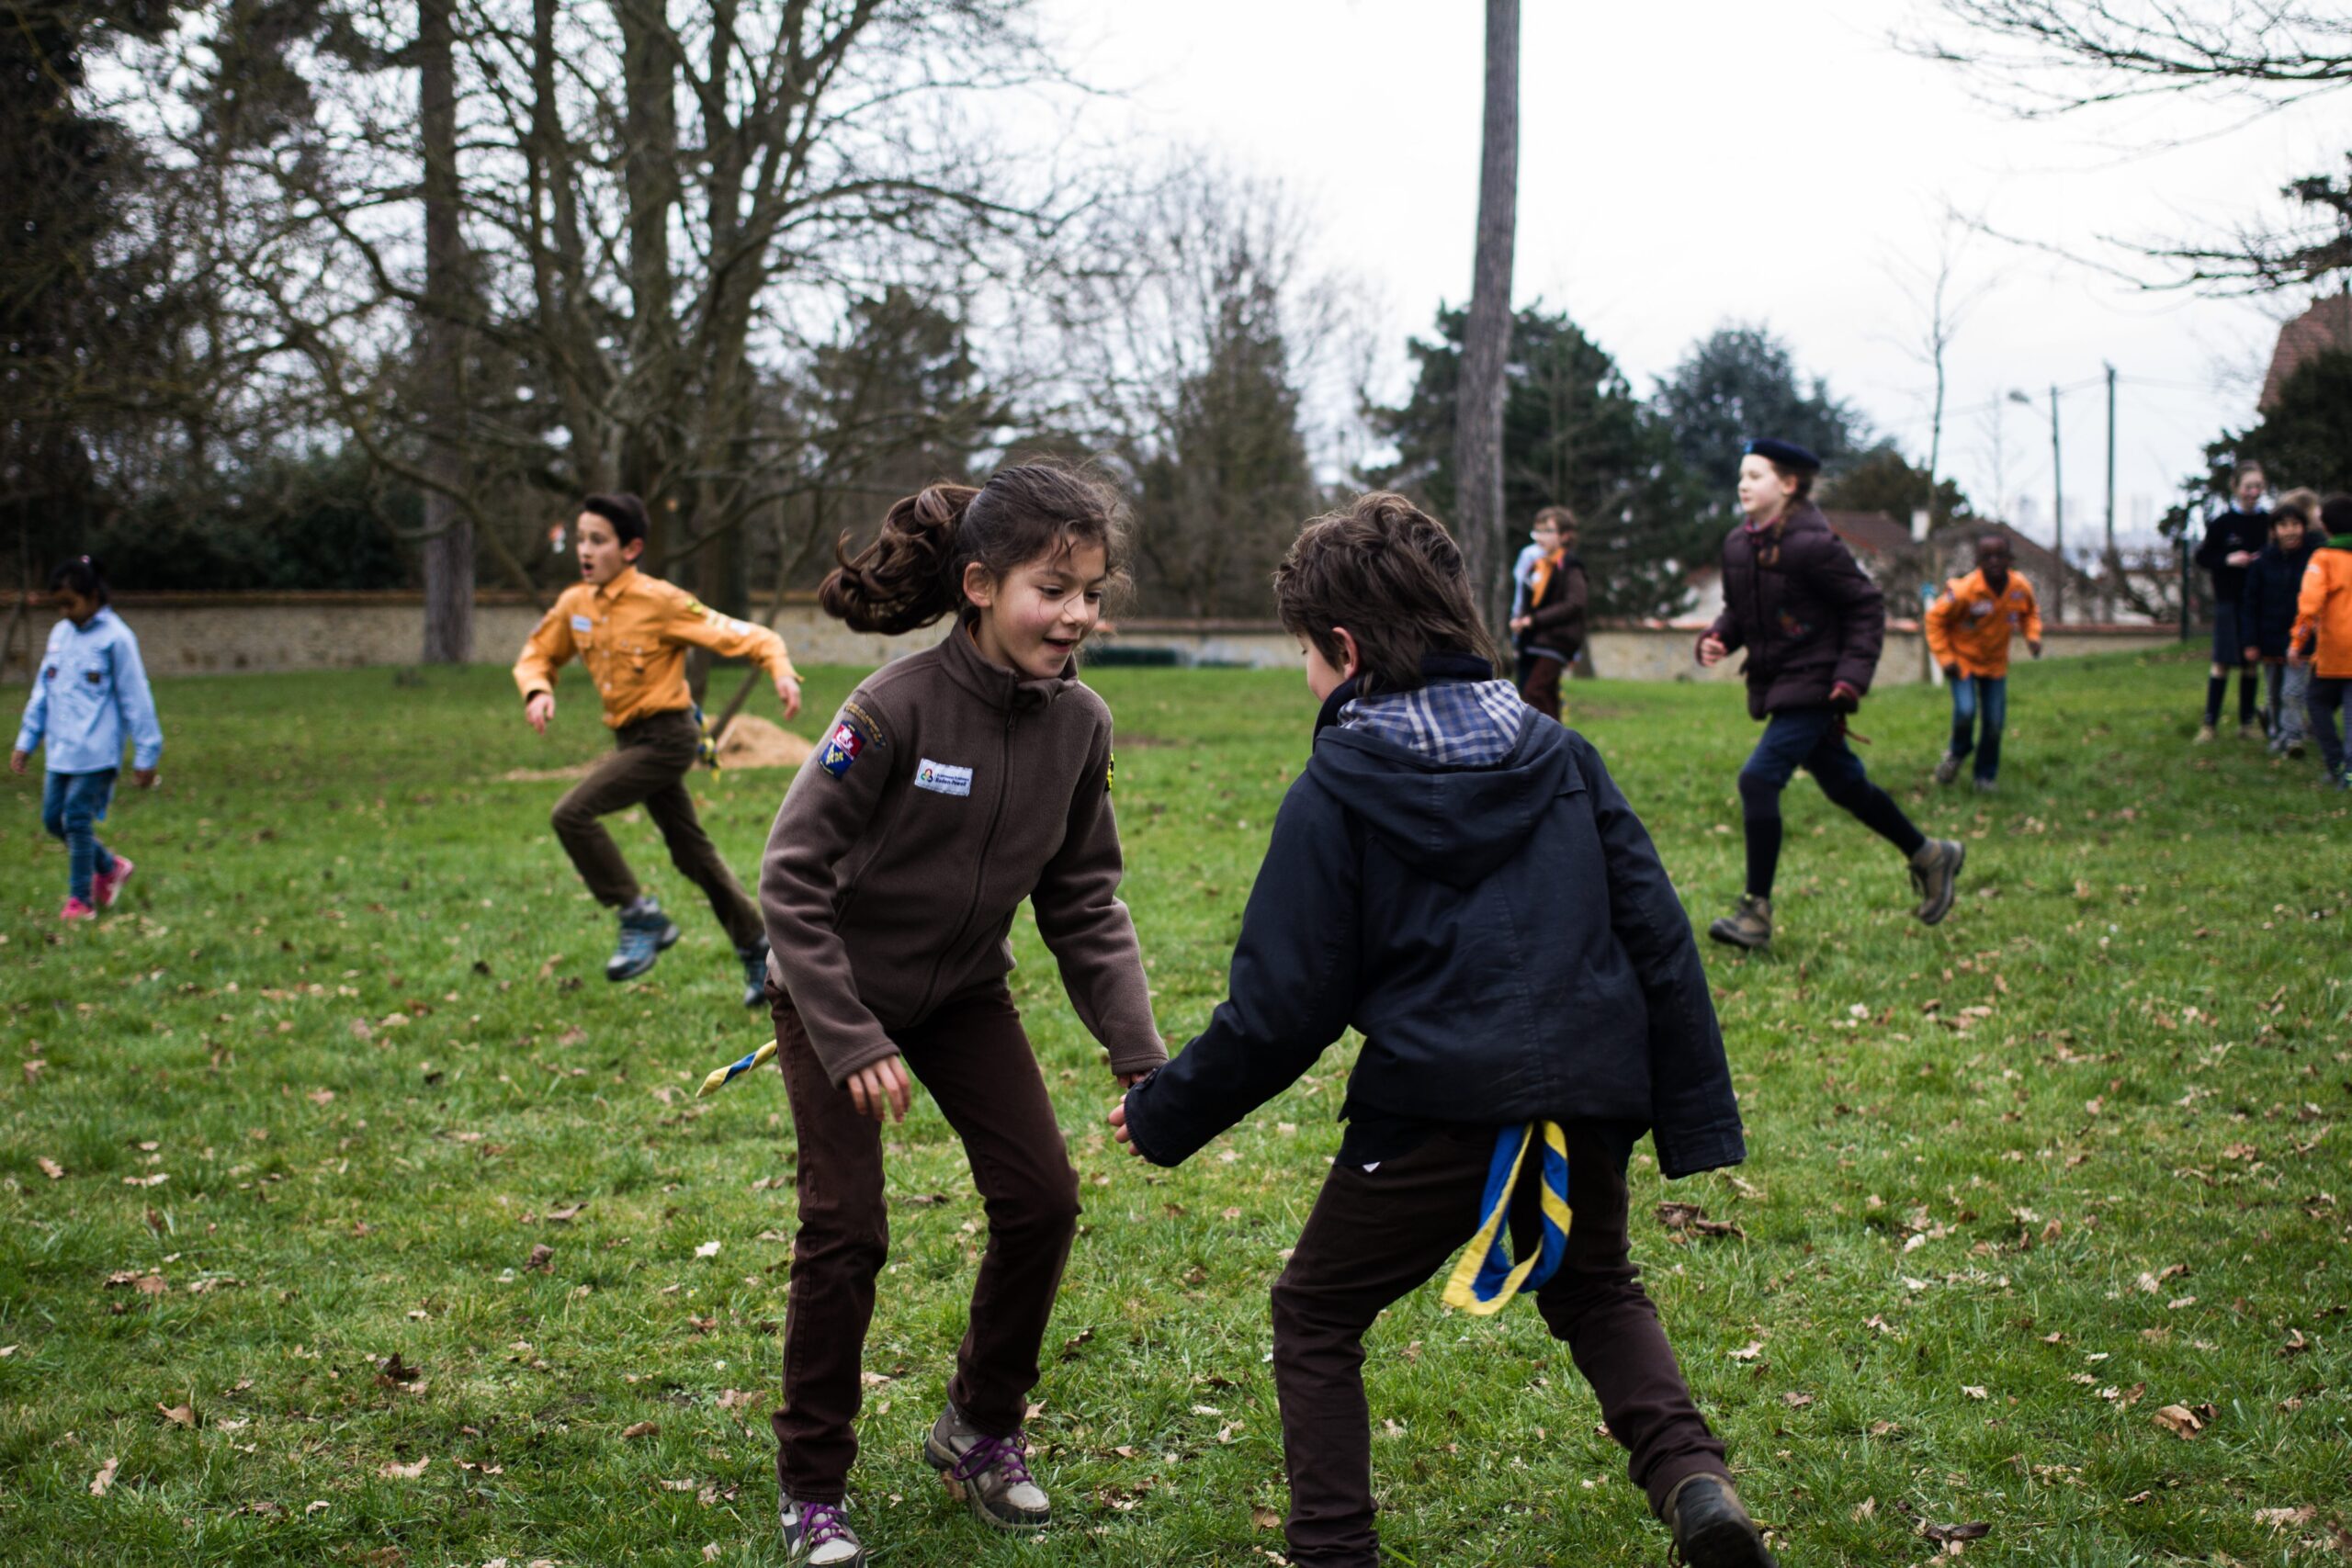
2113	563
2058	515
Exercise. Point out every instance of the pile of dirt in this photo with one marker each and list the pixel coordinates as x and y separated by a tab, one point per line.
755	742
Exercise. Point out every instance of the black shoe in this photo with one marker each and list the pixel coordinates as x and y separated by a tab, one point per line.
1711	1530
755	973
644	935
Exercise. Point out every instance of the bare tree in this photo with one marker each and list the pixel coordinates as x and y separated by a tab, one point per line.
1943	303
448	544
1485	350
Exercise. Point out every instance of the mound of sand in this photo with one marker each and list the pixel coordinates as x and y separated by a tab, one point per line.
755	742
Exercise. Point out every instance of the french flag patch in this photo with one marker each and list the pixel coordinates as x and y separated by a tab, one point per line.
840	748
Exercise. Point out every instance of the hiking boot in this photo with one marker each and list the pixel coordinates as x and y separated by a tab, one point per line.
1935	873
988	1473
2204	735
1711	1530
755	973
1749	924
2294	751
1948	769
105	888
1988	786
815	1533
76	910
645	931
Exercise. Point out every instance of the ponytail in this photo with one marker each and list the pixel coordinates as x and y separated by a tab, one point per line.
904	579
81	575
913	571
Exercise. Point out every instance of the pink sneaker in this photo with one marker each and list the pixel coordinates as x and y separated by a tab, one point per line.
76	910
105	888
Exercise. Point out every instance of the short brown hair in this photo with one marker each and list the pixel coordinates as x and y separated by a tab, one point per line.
1558	516
1393	577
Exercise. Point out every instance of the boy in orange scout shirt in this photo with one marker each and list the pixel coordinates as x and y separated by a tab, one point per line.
2323	633
631	631
1968	631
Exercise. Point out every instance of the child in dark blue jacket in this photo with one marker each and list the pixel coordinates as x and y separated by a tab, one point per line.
2267	616
1457	878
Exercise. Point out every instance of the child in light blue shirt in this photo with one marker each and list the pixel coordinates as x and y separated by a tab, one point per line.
90	689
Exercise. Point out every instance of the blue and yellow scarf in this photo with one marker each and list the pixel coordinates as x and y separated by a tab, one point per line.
1484	1279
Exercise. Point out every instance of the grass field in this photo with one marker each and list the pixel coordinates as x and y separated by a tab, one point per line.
2032	1194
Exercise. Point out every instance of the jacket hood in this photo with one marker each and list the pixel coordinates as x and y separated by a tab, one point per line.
1453	824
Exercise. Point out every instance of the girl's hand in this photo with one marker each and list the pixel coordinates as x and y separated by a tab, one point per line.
879	1089
2240	557
1711	651
787	692
144	778
16	760
540	709
2034	646
1118	1119
2253	655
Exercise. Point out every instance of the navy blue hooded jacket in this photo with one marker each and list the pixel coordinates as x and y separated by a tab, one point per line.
1503	937
2266	604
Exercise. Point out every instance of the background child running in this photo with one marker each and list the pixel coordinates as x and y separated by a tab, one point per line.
1969	628
632	632
953	784
1547	618
2323	633
2266	618
1459	879
1813	625
90	693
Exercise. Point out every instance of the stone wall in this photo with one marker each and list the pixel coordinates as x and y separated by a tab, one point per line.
256	633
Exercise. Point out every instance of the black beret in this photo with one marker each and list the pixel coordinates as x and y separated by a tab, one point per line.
1786	453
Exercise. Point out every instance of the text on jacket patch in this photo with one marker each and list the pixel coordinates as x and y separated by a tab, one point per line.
944	778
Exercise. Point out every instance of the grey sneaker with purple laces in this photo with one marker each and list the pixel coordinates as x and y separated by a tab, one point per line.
990	1474
817	1534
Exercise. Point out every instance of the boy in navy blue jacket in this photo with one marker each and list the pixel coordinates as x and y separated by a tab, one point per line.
1458	878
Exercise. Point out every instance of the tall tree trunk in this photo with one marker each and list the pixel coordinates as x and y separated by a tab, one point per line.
1486	349
450	542
659	395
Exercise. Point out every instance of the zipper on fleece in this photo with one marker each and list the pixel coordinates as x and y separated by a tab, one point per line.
980	865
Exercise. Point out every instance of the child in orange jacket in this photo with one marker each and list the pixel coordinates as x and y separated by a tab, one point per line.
1969	629
632	632
2323	633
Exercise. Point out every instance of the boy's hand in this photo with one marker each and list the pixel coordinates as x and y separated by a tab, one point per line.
1844	698
1521	622
1118	1119
2240	557
16	760
787	692
2253	655
2033	646
879	1089
1711	651
540	709
1951	671
145	778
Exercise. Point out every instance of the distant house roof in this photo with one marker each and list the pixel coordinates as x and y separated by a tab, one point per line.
1868	533
2327	324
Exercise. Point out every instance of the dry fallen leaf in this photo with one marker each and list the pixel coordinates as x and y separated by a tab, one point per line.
50	1167
1265	1518
2179	1420
1974	1391
641	1429
100	1483
177	1415
395	1471
542	1260
1749	1351
1796	1400
2279	1518
708	1249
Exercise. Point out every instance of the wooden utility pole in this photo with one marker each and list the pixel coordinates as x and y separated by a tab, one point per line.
2113	563
2058	516
1486	347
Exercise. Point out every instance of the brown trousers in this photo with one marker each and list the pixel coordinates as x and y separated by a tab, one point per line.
1539	683
975	1059
1376	1236
648	766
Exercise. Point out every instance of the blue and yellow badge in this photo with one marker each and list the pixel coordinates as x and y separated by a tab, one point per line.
841	748
1486	1279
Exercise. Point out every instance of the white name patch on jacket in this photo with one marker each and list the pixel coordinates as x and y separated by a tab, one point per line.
944	778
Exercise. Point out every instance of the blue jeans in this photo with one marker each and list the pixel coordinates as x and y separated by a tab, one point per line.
71	807
1972	694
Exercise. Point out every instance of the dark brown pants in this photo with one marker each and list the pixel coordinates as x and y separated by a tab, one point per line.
1376	1236
975	1059
648	766
1539	683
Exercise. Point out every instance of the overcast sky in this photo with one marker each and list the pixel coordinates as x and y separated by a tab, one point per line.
1689	161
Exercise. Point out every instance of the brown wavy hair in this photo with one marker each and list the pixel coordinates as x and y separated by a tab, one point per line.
1389	573
912	573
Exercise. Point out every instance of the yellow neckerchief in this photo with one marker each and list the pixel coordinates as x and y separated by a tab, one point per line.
1484	1279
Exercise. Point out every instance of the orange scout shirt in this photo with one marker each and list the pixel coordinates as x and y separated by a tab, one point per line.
1970	625
632	635
2324	611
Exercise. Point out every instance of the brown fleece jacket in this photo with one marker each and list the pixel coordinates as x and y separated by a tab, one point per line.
947	790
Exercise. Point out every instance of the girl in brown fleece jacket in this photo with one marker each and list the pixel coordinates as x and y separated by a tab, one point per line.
953	784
